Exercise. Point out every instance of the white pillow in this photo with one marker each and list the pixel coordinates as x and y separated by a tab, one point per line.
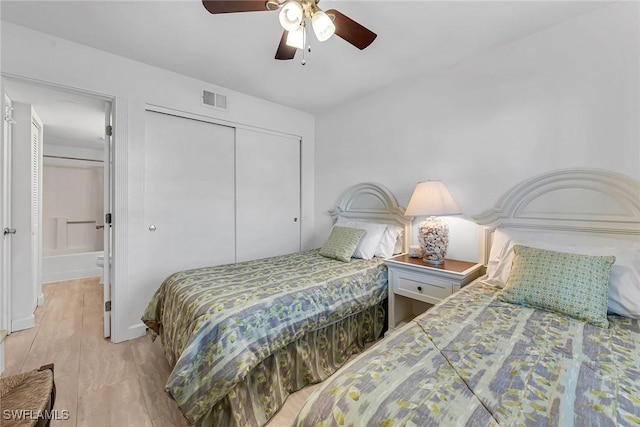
399	243
498	247
624	286
369	243
388	243
624	282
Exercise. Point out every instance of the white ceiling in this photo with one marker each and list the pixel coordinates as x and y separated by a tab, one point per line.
236	50
69	119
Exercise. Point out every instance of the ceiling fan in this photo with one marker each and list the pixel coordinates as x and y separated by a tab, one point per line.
293	16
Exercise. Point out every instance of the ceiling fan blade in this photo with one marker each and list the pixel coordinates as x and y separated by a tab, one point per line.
351	31
231	6
285	51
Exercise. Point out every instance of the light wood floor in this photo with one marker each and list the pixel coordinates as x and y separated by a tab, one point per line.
100	383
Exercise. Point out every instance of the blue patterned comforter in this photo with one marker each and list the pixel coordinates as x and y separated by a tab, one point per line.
218	323
476	361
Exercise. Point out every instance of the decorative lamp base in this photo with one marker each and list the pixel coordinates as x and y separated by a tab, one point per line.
433	237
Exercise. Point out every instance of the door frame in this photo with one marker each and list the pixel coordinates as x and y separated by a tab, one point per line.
5	214
106	210
36	266
119	181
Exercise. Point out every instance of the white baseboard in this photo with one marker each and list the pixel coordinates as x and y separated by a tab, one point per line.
57	268
136	331
71	275
24	323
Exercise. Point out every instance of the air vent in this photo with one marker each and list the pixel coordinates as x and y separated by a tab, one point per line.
215	100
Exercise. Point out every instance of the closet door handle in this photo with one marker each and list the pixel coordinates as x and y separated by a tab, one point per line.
98	227
8	230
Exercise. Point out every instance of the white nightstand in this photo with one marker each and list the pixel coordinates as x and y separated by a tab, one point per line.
415	286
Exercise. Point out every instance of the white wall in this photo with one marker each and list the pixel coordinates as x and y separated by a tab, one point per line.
52	149
134	85
69	195
71	189
567	96
58	268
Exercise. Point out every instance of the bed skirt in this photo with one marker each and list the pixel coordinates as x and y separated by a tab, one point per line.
309	360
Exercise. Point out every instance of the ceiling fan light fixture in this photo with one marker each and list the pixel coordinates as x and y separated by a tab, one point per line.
322	25
291	16
296	38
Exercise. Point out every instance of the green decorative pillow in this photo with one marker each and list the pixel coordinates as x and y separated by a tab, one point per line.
342	243
571	284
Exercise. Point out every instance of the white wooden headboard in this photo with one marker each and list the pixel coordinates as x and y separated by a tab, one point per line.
373	203
568	200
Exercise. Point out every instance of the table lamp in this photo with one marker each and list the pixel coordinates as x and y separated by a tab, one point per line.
432	199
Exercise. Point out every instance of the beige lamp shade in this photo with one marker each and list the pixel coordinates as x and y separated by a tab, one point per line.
431	198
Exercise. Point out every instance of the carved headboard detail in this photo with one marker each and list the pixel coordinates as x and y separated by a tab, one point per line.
568	200
373	203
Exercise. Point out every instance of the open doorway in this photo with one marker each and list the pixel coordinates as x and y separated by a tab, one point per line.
67	175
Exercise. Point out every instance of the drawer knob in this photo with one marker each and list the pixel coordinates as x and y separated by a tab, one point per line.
420	288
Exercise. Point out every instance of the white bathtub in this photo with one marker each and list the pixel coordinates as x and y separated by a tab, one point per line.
72	266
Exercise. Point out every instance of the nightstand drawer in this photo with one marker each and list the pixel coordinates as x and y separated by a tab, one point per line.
417	286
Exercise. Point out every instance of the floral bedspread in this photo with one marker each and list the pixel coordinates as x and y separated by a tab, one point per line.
474	360
217	323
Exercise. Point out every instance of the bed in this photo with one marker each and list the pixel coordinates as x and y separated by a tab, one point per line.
242	337
476	359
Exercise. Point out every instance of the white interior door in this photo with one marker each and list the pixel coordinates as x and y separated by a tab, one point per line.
189	195
106	271
24	199
5	215
267	194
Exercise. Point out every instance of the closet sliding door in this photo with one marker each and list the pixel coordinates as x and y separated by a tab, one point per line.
189	194
267	194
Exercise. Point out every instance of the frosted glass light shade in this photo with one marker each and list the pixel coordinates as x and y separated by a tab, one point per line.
296	38
322	25
431	198
291	16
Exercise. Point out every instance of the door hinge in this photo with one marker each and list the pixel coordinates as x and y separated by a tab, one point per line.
107	218
109	130
107	306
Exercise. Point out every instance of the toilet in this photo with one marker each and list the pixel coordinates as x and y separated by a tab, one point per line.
100	263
